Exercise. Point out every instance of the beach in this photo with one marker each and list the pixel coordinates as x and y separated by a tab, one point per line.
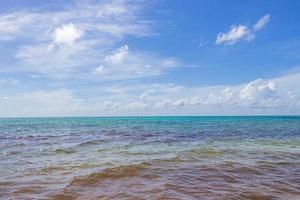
150	158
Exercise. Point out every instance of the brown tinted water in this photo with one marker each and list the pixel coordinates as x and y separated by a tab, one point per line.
150	159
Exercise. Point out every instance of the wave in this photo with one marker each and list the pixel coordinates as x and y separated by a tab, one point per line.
10	153
111	173
64	151
37	137
91	142
174	159
204	152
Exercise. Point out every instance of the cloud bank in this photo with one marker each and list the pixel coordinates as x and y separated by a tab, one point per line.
272	96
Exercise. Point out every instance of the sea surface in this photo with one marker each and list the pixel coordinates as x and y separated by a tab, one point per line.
150	158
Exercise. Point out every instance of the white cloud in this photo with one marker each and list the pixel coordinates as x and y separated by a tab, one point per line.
108	105
124	63
60	102
179	102
258	89
118	56
137	106
61	61
260	96
71	42
260	93
235	34
12	25
109	18
83	42
273	96
242	32
262	22
66	34
99	70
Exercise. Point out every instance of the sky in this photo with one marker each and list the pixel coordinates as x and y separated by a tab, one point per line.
156	57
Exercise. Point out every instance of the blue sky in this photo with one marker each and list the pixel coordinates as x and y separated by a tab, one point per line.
98	58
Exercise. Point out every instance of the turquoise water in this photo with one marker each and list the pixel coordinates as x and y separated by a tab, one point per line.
150	158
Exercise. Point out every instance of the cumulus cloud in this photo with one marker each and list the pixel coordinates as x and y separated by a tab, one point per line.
235	34
272	96
242	32
253	97
66	34
258	89
260	94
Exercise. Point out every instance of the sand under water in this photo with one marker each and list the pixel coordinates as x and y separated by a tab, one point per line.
150	158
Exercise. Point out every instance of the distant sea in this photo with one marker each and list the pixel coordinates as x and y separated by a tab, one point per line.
150	158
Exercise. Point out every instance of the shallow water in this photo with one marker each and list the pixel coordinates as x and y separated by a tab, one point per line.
150	158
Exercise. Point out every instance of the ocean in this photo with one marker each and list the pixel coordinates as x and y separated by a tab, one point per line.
255	157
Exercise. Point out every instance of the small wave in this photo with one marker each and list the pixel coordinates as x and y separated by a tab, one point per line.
257	196
85	166
19	144
28	137
66	169
64	151
175	159
51	169
249	170
11	153
205	152
278	143
91	142
111	173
